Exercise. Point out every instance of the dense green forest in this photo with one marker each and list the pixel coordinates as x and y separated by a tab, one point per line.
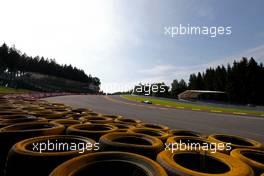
14	65
243	82
12	60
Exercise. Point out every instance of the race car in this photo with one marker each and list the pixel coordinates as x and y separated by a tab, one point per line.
146	102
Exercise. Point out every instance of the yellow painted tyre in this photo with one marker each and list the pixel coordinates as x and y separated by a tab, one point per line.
234	141
96	119
254	158
110	163
198	163
10	135
24	158
154	126
81	110
131	142
55	115
40	112
7	122
192	143
66	122
128	121
163	136
185	133
90	114
93	131
12	112
112	116
74	116
123	126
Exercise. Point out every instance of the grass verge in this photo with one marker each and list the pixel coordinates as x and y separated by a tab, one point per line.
180	105
7	90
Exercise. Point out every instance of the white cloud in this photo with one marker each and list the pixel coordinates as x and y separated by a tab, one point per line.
257	53
166	73
87	34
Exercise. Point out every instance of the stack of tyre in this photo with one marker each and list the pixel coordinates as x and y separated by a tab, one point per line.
126	147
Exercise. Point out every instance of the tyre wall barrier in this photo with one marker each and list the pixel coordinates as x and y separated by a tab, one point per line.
106	130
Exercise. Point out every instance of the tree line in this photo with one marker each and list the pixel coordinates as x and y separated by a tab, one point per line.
243	82
13	62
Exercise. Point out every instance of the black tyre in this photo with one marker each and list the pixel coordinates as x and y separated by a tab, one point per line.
81	110
128	121
235	141
254	158
96	119
112	116
66	123
110	163
73	116
200	163
131	142
17	116
93	131
90	114
191	143
11	112
12	134
24	159
40	112
55	115
4	123
123	126
163	136
185	133
154	126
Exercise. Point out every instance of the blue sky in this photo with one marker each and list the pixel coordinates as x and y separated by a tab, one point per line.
123	42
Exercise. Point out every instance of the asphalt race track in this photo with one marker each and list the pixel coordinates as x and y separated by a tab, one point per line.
204	122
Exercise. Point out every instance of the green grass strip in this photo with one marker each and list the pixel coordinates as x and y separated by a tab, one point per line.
181	105
8	90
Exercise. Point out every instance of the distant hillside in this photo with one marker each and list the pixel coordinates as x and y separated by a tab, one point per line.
18	70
